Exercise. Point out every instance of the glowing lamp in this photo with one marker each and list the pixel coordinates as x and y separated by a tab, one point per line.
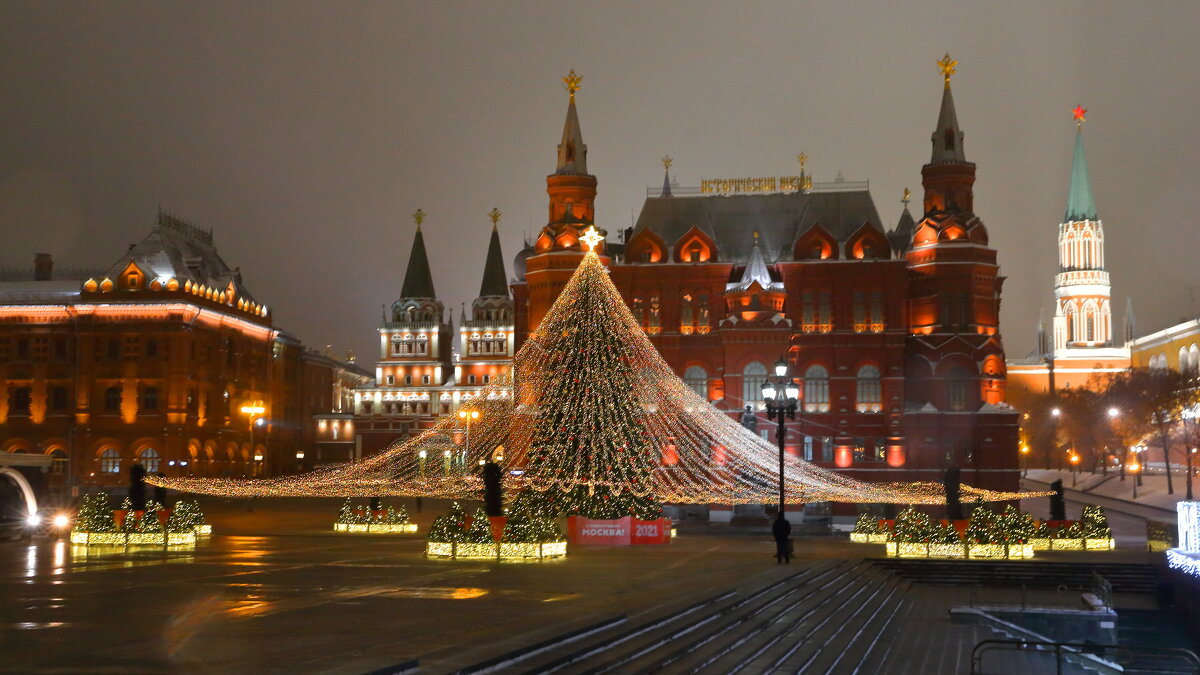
768	391
421	454
258	457
1113	412
253	409
780	368
33	520
1055	411
61	521
793	390
1024	449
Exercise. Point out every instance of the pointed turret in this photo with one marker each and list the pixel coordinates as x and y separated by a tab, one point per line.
418	280
756	270
901	237
947	138
1130	321
1080	204
495	283
572	152
666	190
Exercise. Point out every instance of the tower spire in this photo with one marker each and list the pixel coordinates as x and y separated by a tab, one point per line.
418	280
947	138
666	162
572	152
494	281
1080	203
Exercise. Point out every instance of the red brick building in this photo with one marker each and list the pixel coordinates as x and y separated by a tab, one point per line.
893	334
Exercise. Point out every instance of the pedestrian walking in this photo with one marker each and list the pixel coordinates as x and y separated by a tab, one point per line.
782	530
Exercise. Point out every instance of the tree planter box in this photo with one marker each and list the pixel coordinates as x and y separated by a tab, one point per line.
869	537
947	550
500	551
1000	551
1066	544
1040	543
376	528
133	538
921	550
1099	544
203	530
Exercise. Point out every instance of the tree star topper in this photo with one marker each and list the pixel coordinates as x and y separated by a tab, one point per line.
591	238
571	83
1080	114
948	67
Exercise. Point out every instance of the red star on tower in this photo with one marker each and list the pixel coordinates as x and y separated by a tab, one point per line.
1079	113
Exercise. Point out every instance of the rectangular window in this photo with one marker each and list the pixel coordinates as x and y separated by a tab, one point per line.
60	349
41	348
826	449
470	379
58	399
876	312
808	448
860	312
132	347
825	318
22	349
487	379
424	379
391	379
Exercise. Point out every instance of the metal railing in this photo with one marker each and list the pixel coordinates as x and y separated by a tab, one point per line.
1103	658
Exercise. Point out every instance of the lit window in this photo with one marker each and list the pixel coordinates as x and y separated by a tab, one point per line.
870	390
753	377
150	460
816	389
696	379
110	461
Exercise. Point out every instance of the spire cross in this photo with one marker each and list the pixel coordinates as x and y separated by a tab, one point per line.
495	214
591	238
1080	115
947	66
419	217
571	83
667	162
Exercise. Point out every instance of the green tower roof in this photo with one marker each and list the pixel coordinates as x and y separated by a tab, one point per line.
1080	204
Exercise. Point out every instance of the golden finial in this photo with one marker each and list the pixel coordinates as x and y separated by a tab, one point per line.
947	66
906	198
495	214
667	162
571	83
1080	115
591	238
803	159
419	217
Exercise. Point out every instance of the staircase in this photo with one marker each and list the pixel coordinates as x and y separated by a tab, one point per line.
1124	577
833	616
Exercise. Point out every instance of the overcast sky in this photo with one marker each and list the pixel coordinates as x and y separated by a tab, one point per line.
305	134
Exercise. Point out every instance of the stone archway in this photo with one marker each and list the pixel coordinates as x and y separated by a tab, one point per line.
23	485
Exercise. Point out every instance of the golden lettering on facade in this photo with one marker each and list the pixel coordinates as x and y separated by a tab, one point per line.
765	184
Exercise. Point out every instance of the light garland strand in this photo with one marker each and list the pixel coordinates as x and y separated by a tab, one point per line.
594	410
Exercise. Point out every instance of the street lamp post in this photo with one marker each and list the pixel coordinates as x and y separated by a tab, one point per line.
1074	468
468	416
1055	413
254	410
1136	467
1024	460
781	405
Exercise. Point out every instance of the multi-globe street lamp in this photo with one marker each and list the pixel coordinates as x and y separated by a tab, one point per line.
780	394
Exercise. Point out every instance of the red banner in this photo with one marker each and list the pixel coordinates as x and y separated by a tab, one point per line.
620	532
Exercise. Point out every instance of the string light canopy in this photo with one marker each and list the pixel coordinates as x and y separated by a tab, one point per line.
593	411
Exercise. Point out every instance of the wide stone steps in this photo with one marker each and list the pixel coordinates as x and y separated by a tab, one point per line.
1124	577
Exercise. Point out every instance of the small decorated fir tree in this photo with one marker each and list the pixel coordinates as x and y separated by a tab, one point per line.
185	516
867	523
913	527
131	519
1095	523
150	521
1013	527
450	527
480	530
525	527
982	527
95	515
947	534
394	515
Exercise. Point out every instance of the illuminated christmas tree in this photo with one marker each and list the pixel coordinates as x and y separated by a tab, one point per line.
591	451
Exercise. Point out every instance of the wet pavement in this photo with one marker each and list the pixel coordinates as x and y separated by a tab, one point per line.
273	591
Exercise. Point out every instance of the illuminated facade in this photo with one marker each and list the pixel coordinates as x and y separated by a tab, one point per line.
153	361
419	377
893	334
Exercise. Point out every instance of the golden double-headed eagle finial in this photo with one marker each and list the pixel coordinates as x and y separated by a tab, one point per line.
667	162
419	217
571	83
906	197
947	67
495	214
803	159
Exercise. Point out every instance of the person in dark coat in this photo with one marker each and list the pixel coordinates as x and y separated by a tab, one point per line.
782	529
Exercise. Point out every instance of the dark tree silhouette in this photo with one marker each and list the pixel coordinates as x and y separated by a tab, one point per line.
951	482
1058	505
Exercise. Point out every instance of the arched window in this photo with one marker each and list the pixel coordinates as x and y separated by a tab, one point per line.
639	311
1184	366
1090	326
58	461
870	390
696	379
655	323
753	376
110	461
112	399
702	313
150	460
686	315
1194	360
816	389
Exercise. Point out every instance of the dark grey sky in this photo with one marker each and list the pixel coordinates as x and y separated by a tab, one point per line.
305	133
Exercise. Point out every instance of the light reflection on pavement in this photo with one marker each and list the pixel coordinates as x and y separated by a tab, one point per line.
311	601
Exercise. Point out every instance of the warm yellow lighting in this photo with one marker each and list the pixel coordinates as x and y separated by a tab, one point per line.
253	409
1024	449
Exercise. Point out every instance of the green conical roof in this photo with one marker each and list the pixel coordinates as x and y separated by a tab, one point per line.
1080	204
418	281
